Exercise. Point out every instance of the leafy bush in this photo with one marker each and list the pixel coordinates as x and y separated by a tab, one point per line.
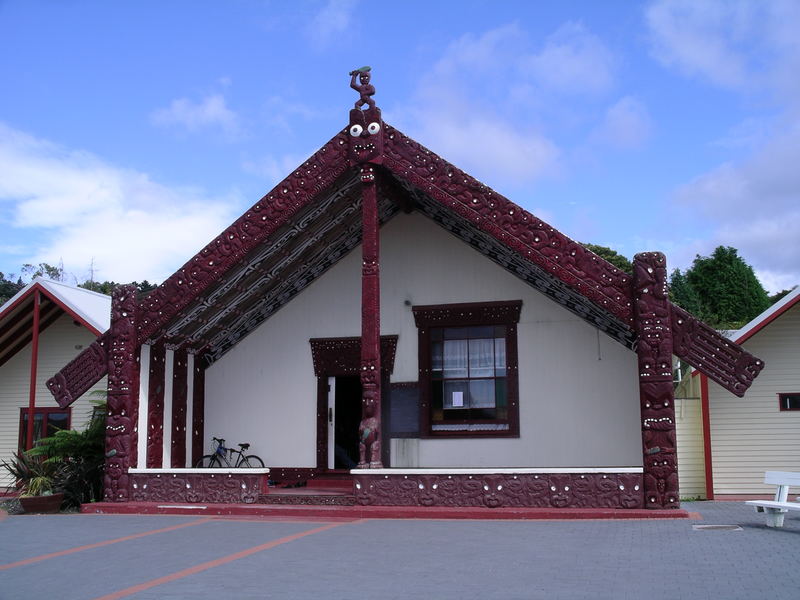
78	458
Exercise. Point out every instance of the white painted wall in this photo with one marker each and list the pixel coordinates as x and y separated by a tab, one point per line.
58	344
751	435
578	389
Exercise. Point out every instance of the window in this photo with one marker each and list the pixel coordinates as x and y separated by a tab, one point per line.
789	401
468	369
46	421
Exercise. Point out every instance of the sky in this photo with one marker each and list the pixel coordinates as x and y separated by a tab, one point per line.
132	133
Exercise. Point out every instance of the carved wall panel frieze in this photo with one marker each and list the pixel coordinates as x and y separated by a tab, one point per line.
197	487
81	373
155	407
179	405
198	409
566	490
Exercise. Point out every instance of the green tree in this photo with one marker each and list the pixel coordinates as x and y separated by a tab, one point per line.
728	290
9	287
611	256
684	295
772	299
44	270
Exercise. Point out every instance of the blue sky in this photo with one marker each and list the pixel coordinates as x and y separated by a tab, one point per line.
131	133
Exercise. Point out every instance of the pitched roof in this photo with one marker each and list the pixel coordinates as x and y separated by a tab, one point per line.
312	218
767	317
90	309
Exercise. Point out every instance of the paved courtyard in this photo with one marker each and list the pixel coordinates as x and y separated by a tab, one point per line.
83	557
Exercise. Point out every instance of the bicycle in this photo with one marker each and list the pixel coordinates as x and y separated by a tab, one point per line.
222	456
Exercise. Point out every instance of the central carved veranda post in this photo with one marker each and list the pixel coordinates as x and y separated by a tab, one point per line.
654	349
366	151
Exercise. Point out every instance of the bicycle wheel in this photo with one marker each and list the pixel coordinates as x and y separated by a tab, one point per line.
252	462
209	461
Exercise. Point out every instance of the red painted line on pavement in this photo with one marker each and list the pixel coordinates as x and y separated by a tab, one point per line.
213	563
135	536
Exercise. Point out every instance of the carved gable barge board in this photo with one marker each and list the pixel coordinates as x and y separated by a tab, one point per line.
307	228
490	215
586	273
724	361
598	280
317	262
81	373
300	188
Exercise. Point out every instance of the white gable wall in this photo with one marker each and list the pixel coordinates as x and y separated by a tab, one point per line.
751	435
578	389
57	346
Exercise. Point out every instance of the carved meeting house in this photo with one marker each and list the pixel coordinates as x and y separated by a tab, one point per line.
382	314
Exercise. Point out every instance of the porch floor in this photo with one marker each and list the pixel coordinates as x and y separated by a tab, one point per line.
328	512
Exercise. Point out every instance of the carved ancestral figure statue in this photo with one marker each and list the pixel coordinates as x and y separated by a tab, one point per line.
369	444
364	88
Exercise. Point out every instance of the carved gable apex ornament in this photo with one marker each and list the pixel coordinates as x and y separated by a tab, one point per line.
365	130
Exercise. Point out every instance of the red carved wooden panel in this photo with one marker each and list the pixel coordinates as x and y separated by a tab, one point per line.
246	233
123	390
725	362
560	490
155	408
198	409
179	391
81	373
654	352
197	487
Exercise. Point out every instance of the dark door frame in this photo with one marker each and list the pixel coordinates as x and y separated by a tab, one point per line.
337	357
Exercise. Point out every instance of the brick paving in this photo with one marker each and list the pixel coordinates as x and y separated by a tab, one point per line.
172	557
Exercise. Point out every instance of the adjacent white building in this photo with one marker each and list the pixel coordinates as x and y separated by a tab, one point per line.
69	319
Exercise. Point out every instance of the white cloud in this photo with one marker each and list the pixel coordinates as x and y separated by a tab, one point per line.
627	124
754	205
573	61
746	45
131	226
495	140
333	20
274	169
211	112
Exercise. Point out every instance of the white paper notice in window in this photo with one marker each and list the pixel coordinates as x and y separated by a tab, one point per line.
458	399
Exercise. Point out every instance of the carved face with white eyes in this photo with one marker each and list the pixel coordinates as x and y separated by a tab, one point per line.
366	136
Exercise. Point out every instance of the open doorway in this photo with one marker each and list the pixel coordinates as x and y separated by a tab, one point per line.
344	416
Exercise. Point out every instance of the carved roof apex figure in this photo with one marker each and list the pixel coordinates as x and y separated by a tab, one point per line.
364	88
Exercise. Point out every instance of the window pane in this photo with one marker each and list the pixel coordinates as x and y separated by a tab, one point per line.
436	358
481	393
437	414
456	394
456	333
500	356
790	401
481	332
436	334
481	358
56	421
455	358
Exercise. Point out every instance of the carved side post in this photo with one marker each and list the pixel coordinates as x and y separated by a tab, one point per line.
654	350
123	390
369	431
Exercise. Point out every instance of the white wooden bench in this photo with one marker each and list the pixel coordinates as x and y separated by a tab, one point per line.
777	508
